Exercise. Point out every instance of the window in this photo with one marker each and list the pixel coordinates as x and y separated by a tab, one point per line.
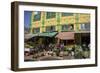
37	16
36	30
67	27
50	28
71	27
85	26
67	14
64	27
50	15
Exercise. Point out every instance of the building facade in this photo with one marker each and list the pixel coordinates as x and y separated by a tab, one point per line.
74	27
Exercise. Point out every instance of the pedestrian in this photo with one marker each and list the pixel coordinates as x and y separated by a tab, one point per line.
62	47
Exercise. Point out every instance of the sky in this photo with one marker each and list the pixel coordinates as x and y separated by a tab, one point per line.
27	18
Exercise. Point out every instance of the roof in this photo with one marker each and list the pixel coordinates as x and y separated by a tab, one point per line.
65	35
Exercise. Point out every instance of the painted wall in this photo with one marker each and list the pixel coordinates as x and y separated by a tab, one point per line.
76	19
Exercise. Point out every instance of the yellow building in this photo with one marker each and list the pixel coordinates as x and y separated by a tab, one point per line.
70	26
42	21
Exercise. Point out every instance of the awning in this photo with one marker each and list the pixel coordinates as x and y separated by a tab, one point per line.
28	36
47	34
65	35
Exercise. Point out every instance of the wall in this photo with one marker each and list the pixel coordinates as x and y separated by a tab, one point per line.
5	40
58	21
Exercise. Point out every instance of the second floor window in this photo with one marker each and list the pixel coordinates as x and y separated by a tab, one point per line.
67	14
68	27
37	16
85	26
50	15
36	30
50	28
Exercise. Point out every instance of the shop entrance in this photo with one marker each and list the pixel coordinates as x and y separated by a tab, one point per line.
67	42
82	38
85	38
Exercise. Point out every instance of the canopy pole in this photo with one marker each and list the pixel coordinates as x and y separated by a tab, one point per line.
58	41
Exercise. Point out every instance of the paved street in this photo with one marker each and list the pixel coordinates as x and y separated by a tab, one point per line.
44	58
50	58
